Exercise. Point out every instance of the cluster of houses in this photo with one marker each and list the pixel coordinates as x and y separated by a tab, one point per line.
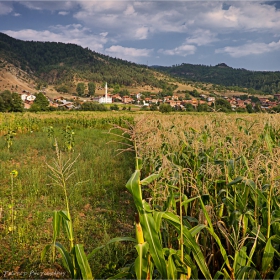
175	101
28	99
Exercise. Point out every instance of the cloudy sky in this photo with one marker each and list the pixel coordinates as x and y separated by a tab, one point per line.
242	34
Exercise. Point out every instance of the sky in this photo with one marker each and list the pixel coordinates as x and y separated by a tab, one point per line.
242	34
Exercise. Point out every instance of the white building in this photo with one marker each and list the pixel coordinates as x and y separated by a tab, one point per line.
105	98
28	97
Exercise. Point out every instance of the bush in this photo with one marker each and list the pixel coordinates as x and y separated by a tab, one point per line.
91	106
114	107
165	108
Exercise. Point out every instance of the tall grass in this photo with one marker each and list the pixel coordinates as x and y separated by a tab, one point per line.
100	207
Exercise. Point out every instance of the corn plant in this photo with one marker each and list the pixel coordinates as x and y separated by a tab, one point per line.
69	138
73	256
50	132
225	189
12	226
154	259
9	137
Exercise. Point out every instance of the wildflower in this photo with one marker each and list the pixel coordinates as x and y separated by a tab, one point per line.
14	173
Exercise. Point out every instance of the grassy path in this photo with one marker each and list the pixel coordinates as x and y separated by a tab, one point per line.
99	202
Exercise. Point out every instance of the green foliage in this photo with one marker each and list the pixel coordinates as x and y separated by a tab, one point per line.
62	88
80	89
91	88
99	205
154	107
202	107
123	92
189	108
209	182
9	138
10	102
69	141
41	103
114	107
58	63
249	108
74	259
194	93
91	106
165	108
234	79
222	105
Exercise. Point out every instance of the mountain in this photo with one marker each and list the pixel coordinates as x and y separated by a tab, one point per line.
59	63
222	74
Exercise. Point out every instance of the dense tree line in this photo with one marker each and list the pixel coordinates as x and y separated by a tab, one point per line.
221	74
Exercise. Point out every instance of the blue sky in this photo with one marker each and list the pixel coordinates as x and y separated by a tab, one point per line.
242	34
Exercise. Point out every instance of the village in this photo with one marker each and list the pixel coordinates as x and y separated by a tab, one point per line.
176	101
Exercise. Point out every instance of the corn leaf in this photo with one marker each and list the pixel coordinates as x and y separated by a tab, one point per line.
235	181
217	275
249	261
63	215
151	236
190	242
210	229
247	272
188	261
149	179
186	201
66	258
277	274
83	262
157	217
240	258
45	250
56	225
197	229
171	268
121	275
268	255
141	262
134	187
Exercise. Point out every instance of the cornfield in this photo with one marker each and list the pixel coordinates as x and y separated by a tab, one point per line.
205	192
209	201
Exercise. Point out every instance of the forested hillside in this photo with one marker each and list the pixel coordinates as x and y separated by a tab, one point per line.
66	64
57	63
221	74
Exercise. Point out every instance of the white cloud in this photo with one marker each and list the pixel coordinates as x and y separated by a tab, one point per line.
201	37
130	10
16	14
141	33
63	13
103	34
75	34
131	54
250	49
5	9
49	5
182	50
241	16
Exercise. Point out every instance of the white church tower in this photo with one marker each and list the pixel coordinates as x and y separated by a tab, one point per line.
105	98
